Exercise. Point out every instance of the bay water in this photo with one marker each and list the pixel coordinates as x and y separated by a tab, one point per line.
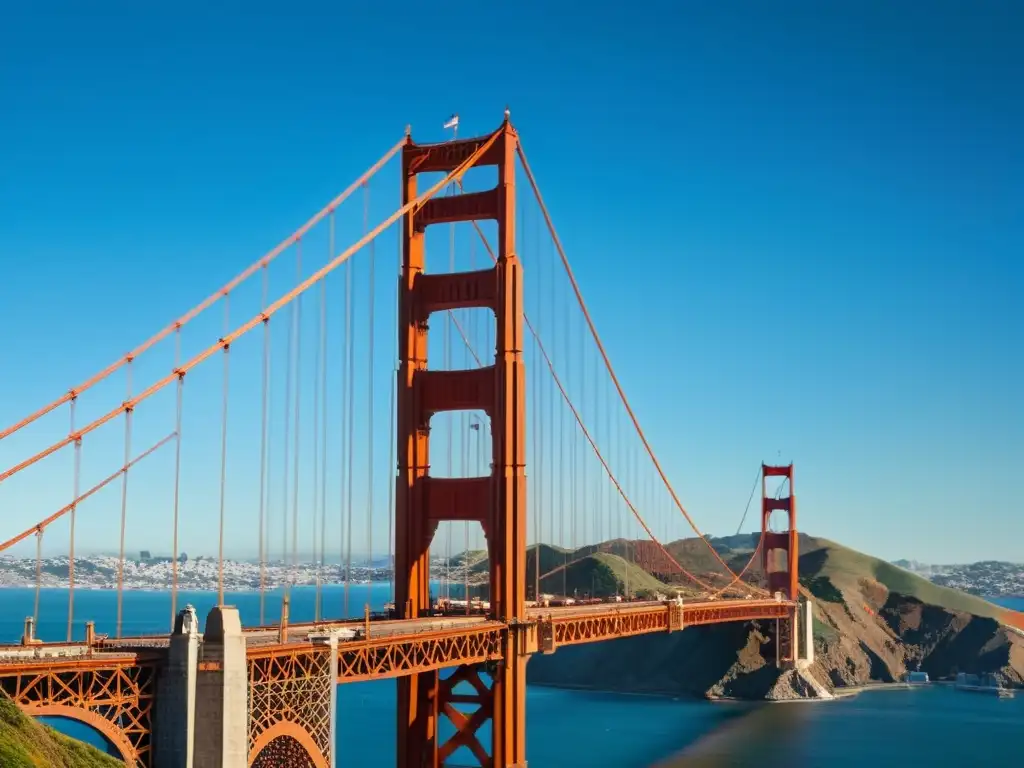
932	725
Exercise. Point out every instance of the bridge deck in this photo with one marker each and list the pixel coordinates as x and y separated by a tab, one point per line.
398	647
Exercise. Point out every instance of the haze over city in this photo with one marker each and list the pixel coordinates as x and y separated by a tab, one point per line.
821	247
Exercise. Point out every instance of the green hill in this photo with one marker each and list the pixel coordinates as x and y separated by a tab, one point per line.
873	622
601	574
827	570
24	742
824	562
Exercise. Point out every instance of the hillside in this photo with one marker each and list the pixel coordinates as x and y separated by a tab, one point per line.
873	623
601	571
821	558
24	742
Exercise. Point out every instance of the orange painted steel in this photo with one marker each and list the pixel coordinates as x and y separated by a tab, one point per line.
780	556
289	708
611	370
593	444
385	657
114	695
243	329
574	628
286	745
110	685
42	524
289	683
178	324
785	580
498	501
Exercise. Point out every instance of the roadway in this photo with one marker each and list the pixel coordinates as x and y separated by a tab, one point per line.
394	647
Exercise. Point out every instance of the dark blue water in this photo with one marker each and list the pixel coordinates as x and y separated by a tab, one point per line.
929	726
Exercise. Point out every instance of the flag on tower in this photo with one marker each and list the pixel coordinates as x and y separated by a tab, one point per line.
453	122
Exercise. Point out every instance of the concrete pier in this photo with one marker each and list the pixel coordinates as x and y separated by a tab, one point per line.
222	694
174	716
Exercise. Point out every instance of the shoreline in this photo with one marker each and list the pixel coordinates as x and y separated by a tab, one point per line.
844	692
199	590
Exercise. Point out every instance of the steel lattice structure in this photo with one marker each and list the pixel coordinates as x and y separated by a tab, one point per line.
111	685
289	693
112	695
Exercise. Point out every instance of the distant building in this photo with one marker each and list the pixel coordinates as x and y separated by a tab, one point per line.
144	555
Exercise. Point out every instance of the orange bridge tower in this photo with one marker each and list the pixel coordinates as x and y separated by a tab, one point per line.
780	555
498	501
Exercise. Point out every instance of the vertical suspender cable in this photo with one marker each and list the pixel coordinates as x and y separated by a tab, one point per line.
323	428
323	422
74	508
543	470
223	476
177	479
350	426
465	526
369	418
598	479
124	501
346	383
223	454
607	362
562	462
297	419
582	496
393	437
318	367
573	483
264	481
550	421
539	464
286	444
39	577
177	496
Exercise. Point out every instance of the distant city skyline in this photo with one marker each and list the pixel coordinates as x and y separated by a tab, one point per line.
798	234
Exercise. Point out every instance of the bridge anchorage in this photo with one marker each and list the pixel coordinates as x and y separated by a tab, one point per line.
234	696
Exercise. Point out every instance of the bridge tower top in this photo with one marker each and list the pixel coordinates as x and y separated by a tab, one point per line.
780	549
497	501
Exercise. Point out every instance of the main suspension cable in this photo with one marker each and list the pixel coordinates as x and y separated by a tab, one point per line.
275	307
607	361
73	393
73	504
588	436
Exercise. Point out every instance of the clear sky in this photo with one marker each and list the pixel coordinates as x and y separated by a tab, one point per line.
799	226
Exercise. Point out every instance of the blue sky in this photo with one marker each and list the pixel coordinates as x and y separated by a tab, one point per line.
799	229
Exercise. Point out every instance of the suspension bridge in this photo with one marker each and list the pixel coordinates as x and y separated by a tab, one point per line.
288	411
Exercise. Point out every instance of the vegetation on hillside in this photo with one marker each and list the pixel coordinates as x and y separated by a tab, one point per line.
822	560
873	622
25	742
827	571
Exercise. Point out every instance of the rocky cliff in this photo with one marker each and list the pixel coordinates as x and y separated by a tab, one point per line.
873	623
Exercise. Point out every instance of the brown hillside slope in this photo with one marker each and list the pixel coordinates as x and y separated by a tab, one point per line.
873	623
